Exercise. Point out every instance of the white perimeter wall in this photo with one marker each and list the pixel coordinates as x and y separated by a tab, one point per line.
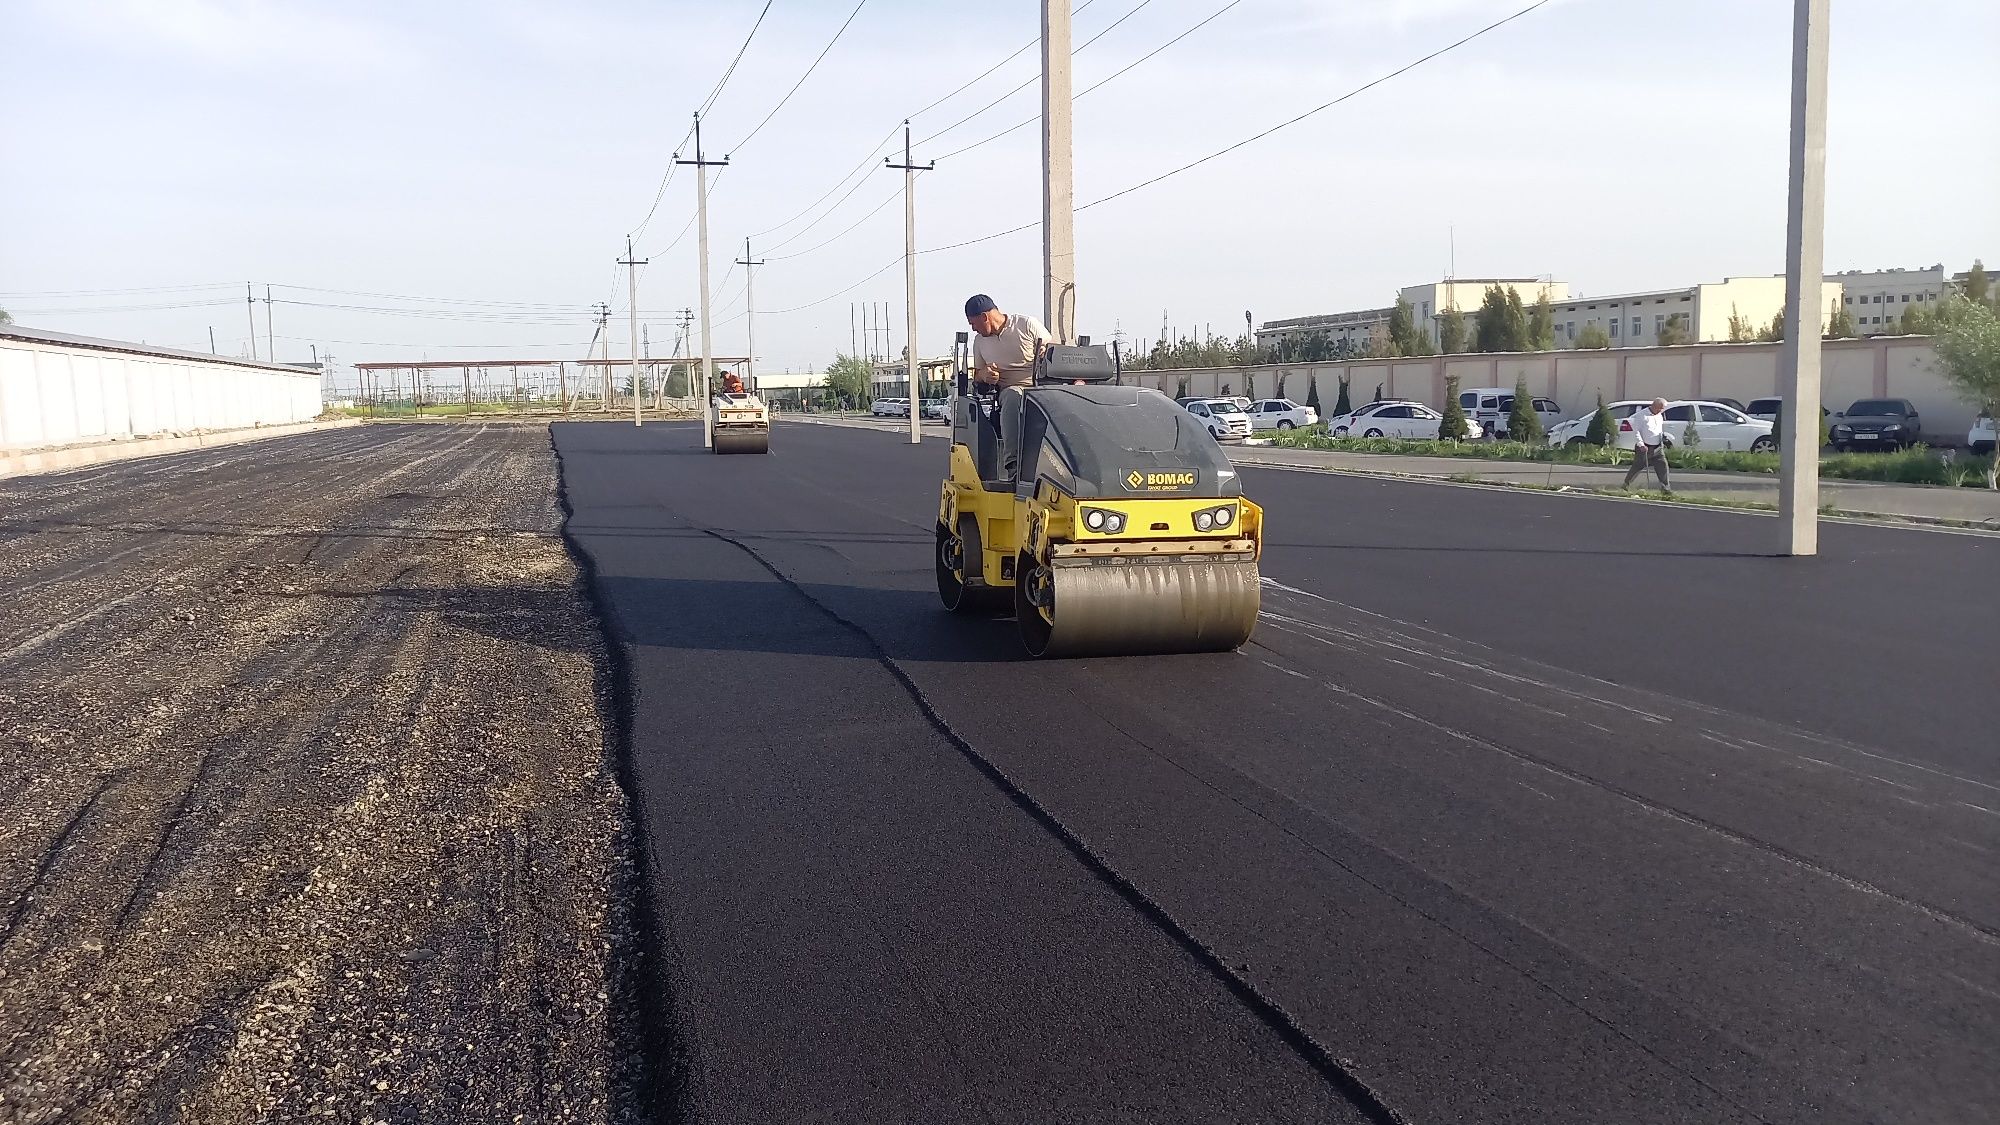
57	394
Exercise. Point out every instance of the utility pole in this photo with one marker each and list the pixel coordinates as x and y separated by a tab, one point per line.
211	340
270	338
1805	246
683	339
853	341
750	314
701	167
912	363
604	335
1058	179
632	295
250	304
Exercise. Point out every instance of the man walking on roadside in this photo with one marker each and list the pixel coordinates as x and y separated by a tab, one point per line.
1649	445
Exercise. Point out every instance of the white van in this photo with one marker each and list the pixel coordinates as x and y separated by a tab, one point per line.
1491	406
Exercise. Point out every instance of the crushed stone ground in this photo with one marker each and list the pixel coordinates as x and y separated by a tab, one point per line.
308	805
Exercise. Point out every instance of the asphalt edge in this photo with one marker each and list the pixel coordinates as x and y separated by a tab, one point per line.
642	992
1338	1072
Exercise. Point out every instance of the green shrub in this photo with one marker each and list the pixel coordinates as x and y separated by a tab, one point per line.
1601	425
1523	424
1454	428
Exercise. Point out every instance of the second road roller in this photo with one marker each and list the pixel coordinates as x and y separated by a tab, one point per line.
1121	528
742	423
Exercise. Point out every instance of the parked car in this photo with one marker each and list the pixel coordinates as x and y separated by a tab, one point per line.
1280	414
1768	409
1877	423
935	408
1400	419
1224	419
1491	406
1573	431
1722	427
891	408
1982	437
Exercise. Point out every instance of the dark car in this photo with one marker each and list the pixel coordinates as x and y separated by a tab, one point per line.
1877	423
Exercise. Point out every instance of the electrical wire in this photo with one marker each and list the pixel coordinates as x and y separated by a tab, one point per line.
802	78
724	80
836	238
1037	78
866	162
83	310
32	295
1101	82
1029	45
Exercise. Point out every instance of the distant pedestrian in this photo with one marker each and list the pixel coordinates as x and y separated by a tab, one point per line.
1649	444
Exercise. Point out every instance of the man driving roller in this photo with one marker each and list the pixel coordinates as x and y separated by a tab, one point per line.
1003	357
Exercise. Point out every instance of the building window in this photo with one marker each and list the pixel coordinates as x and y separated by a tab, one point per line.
1847	300
1427	308
1635	326
1659	323
1614	328
1906	298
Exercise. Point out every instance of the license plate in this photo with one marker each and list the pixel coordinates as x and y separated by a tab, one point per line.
1866	437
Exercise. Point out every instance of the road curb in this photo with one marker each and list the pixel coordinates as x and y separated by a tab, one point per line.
31	462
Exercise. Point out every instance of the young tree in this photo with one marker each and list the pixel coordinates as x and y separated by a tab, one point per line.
1378	393
1523	424
1312	395
1601	426
1741	331
1453	333
1542	325
1674	331
1840	323
1776	332
1593	337
6	317
851	380
1453	427
1402	328
1180	390
1967	340
1975	283
1250	385
1343	404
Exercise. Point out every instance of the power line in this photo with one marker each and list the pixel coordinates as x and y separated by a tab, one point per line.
803	77
867	162
989	70
724	80
1114	75
118	292
81	310
836	238
1034	79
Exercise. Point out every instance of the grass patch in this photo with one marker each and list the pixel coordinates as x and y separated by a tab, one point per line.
1918	465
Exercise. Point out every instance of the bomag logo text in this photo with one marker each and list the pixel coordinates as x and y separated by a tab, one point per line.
1164	481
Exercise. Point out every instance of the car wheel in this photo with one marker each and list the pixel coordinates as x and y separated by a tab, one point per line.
1373	433
1576	441
1982	449
1284	423
1763	445
1340	431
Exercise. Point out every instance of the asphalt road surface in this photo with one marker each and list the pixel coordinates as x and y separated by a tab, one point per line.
1517	808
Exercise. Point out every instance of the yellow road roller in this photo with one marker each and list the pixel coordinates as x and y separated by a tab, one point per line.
742	423
1108	521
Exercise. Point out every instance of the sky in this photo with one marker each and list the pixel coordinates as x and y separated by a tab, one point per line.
456	178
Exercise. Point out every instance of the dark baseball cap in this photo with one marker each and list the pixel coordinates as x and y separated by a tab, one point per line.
978	303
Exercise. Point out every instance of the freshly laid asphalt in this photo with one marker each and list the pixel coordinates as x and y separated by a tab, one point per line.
1517	808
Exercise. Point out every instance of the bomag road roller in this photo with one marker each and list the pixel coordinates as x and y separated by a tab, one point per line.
742	423
1110	524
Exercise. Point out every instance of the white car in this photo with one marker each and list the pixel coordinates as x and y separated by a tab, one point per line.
1404	419
1492	406
1224	419
891	408
1984	435
1722	427
1573	431
936	408
1280	414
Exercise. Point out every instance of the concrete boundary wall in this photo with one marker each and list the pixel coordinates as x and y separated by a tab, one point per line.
84	456
57	389
1898	366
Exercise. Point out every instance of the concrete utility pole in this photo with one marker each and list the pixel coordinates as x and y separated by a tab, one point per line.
750	314
465	374
912	362
1805	246
701	167
211	340
853	340
604	336
250	304
632	295
270	333
1058	180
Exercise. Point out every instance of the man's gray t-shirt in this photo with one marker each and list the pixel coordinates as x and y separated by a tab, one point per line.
1013	349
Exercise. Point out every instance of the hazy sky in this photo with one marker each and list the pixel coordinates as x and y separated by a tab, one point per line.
494	155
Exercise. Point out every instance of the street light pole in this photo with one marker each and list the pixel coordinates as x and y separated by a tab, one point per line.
1805	244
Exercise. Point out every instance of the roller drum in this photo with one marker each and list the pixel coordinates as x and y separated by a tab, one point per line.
1138	607
738	439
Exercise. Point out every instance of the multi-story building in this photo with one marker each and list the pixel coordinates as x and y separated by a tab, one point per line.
1431	301
1354	329
1877	299
1635	320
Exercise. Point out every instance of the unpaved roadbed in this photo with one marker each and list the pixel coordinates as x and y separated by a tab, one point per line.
307	809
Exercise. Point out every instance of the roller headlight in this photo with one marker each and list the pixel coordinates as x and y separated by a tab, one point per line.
1104	521
1225	516
1216	518
1204	521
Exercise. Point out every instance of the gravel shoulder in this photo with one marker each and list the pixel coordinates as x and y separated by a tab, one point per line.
308	803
